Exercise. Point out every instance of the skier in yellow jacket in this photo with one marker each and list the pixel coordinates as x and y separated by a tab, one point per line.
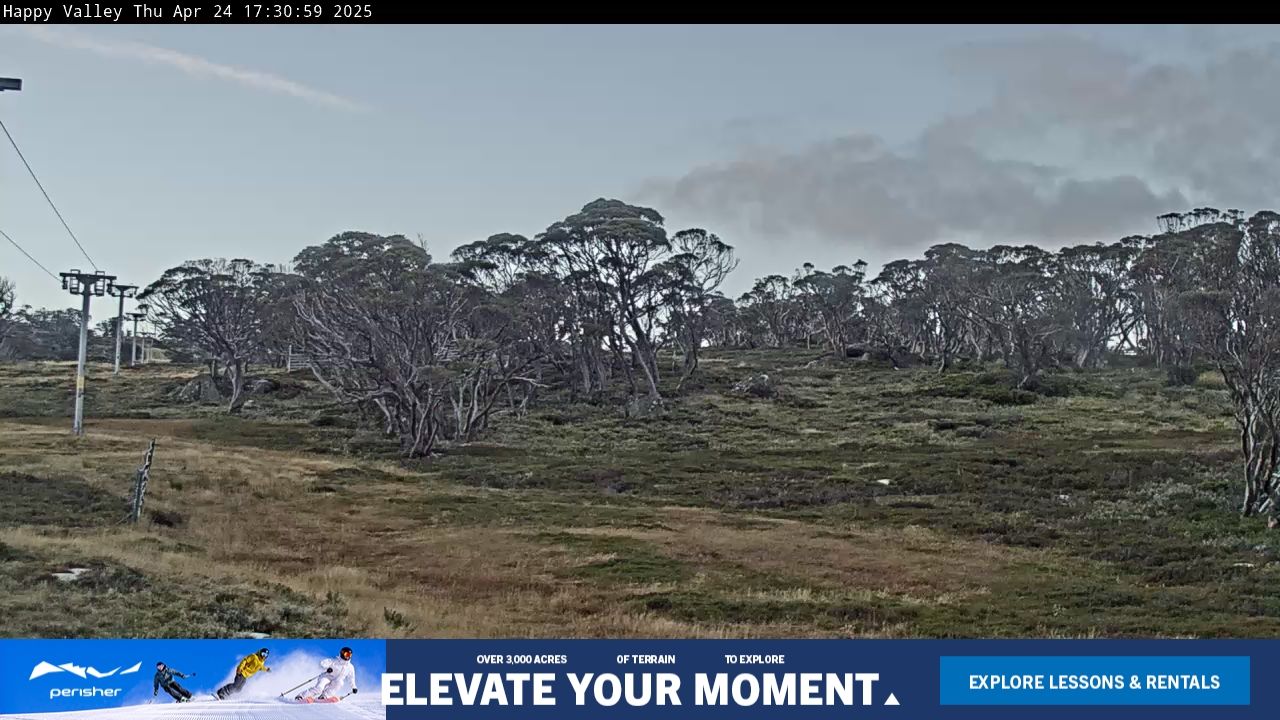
247	668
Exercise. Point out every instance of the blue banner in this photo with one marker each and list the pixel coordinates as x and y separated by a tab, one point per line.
828	679
1094	680
649	679
121	679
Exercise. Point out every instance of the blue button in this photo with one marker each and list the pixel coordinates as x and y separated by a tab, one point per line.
1085	680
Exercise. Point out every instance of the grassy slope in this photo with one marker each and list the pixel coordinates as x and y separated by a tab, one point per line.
1105	511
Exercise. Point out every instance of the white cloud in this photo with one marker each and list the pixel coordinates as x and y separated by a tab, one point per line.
1150	136
192	65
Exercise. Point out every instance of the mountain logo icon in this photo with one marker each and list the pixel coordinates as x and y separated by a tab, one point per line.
48	668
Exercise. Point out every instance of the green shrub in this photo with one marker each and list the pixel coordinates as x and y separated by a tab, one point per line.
1211	379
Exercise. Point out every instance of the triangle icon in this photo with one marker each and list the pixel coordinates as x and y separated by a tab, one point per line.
44	668
892	700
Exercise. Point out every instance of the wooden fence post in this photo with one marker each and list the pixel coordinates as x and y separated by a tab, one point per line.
140	483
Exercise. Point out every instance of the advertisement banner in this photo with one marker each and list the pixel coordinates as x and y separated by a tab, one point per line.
274	679
126	679
828	679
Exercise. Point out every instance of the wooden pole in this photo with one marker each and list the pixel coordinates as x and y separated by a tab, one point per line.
140	483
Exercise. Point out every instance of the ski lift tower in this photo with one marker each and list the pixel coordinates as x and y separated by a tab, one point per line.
122	292
86	285
136	316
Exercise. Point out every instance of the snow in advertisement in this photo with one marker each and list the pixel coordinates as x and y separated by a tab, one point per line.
250	679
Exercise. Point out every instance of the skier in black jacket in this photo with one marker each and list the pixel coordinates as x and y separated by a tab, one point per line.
164	679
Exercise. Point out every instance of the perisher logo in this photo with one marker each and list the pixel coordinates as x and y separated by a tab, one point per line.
45	667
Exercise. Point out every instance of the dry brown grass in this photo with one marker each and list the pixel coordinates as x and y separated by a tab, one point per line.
251	513
730	517
916	561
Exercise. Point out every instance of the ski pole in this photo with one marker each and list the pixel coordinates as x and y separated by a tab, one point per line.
295	687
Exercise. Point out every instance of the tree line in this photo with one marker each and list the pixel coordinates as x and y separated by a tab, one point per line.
28	333
607	304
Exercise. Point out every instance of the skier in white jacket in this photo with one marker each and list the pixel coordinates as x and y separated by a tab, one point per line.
338	672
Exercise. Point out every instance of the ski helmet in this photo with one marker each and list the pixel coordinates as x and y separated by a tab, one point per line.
160	666
264	652
345	653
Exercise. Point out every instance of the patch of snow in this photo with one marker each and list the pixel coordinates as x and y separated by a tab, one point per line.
356	707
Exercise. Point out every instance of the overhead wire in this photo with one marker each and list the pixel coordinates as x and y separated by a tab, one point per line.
24	252
44	192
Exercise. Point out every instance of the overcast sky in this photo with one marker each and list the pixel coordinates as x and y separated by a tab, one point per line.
824	144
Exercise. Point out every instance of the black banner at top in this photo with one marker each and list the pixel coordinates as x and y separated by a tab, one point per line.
233	12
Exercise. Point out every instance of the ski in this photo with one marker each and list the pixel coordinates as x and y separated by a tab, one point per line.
310	701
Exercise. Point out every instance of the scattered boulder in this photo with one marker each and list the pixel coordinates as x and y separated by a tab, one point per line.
644	407
760	386
1180	375
261	386
863	353
204	389
903	358
855	352
199	389
71	575
870	355
898	357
